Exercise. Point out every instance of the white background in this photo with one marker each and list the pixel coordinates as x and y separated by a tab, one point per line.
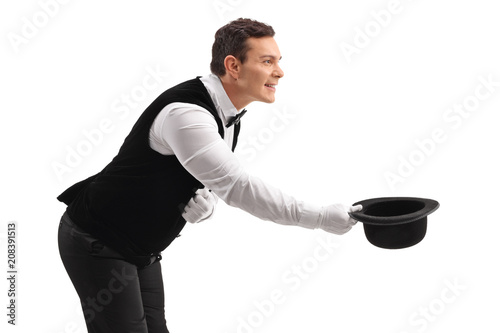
351	120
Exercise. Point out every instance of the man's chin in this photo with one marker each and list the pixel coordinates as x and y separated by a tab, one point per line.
269	100
265	99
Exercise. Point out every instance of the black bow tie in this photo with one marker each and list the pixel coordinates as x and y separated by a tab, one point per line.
236	119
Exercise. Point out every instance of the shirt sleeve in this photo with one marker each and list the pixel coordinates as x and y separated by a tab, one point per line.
191	133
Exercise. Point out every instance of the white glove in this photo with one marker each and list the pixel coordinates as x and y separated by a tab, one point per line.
200	207
334	218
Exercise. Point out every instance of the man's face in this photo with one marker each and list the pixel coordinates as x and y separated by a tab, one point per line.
260	72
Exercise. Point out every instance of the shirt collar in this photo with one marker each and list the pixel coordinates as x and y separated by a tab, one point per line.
219	96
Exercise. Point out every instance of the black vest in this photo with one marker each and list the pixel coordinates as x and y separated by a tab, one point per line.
135	203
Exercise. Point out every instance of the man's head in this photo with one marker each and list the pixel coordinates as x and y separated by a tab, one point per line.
231	39
245	56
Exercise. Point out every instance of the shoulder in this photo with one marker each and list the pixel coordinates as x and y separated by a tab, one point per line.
182	114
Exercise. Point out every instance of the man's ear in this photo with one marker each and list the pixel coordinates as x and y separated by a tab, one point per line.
232	65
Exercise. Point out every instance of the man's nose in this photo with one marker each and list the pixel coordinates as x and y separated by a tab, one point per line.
279	72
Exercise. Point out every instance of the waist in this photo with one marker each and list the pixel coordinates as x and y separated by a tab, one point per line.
105	248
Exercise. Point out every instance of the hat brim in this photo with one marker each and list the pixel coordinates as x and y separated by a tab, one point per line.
394	210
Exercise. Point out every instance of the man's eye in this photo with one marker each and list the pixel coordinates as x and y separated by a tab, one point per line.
267	61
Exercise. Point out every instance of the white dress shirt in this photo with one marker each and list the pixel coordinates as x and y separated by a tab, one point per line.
190	132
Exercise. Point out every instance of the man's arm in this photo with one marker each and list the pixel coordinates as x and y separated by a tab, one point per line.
191	133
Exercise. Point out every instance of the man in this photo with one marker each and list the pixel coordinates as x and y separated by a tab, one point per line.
170	169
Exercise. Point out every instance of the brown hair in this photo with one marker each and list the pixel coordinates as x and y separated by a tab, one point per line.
231	39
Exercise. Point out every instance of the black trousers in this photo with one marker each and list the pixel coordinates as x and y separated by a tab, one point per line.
116	295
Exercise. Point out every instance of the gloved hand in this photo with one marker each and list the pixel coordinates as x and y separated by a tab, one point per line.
200	207
334	218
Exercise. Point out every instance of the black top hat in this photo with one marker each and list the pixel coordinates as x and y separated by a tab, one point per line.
395	222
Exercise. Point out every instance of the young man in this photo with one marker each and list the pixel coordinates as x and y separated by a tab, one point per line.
170	169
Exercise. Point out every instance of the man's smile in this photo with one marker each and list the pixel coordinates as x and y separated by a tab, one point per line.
271	86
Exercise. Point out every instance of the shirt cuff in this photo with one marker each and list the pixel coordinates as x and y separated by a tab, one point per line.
309	217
